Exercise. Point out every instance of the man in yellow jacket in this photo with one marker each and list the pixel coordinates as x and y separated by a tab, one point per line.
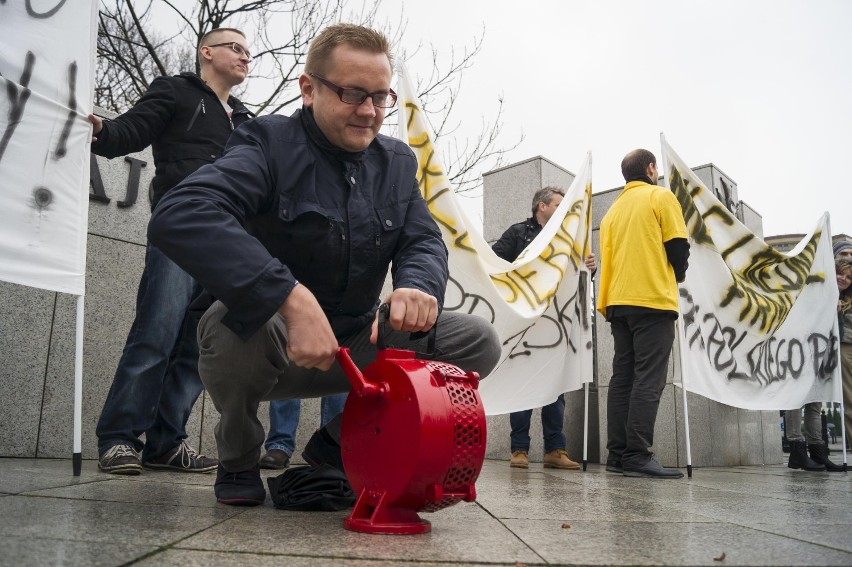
644	254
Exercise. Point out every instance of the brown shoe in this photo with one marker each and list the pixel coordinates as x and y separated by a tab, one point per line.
519	460
558	459
275	459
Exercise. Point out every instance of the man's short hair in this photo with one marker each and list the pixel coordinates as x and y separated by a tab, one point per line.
210	37
545	195
359	37
635	164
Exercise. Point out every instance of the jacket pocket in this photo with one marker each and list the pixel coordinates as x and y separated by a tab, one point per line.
314	245
390	220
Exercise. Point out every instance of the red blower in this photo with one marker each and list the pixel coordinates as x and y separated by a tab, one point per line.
412	440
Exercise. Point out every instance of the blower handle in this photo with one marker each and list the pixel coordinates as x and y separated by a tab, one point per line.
384	315
360	386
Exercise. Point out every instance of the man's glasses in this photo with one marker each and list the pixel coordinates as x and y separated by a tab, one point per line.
380	99
238	49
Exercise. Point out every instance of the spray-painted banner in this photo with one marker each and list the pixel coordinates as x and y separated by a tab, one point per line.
540	304
760	326
47	56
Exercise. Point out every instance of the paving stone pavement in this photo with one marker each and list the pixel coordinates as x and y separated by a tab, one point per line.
758	515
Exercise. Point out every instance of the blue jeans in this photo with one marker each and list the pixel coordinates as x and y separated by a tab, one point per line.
552	420
156	382
284	418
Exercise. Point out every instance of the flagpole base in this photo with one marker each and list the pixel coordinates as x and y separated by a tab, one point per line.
585	463
77	463
688	471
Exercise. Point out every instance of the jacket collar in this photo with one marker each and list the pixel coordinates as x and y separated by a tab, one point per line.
632	184
235	103
306	116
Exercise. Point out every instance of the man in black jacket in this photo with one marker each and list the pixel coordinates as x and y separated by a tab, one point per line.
509	246
293	230
186	119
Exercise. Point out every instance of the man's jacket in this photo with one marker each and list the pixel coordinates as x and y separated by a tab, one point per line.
284	205
516	238
182	120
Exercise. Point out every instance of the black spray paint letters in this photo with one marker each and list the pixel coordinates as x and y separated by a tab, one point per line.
575	309
770	360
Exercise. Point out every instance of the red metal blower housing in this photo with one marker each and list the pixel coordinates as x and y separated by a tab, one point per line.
412	439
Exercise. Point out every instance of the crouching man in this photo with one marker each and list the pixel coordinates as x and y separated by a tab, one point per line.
293	231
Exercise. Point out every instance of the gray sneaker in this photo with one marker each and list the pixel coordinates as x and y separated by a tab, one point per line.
182	458
120	459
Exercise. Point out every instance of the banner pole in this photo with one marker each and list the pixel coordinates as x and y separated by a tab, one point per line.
591	295
680	333
77	456
681	359
586	426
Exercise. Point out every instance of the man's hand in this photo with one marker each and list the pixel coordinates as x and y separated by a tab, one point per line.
310	340
411	311
97	126
590	262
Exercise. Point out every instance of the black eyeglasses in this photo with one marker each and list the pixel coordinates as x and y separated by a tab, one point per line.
238	49
380	99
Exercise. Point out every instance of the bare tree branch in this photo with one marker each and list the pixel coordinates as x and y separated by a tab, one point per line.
132	52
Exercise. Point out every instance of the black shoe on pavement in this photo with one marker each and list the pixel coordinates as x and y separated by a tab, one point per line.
652	469
275	459
613	465
819	454
799	458
323	450
244	488
120	459
182	458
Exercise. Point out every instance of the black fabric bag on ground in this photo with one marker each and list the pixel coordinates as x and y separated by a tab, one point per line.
323	489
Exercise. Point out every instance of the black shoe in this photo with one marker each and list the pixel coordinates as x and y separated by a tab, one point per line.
120	459
613	465
323	450
275	459
819	454
182	458
799	458
652	469
242	488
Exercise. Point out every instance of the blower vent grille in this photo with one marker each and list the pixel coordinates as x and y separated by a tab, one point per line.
467	446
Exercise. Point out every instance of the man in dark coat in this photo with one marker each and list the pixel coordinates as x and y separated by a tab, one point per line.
186	119
509	246
293	231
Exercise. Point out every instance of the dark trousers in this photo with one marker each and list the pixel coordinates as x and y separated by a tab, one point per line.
552	422
643	343
240	374
156	382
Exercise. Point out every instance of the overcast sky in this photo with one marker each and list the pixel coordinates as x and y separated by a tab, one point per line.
760	88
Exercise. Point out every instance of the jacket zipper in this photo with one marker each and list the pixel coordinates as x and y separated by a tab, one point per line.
199	108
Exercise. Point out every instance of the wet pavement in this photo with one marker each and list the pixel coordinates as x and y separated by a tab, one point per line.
755	515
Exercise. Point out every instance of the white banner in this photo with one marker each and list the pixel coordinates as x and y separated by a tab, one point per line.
540	304
47	56
761	326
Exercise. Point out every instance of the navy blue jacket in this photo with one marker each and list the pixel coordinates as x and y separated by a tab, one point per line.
182	120
282	204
